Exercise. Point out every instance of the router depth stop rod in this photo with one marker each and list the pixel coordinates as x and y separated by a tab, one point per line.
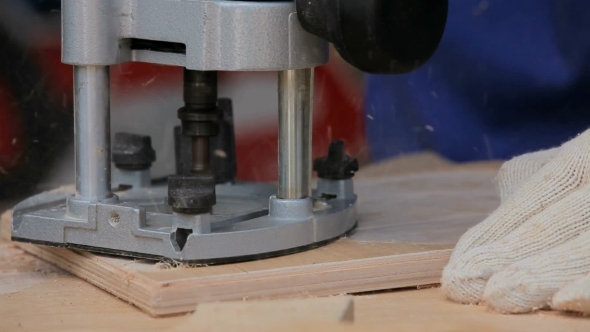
295	131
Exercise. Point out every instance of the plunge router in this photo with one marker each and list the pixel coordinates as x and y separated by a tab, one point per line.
203	214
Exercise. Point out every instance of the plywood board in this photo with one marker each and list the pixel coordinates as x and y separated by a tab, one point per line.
65	303
407	228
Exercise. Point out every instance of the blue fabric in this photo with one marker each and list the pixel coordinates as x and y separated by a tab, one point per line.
509	77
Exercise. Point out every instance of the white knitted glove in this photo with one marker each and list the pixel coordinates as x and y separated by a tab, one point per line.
533	251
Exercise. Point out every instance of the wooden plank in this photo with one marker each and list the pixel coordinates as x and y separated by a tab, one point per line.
66	303
407	228
162	293
421	162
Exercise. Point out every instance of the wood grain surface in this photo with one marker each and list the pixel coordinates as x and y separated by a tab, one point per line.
407	228
54	300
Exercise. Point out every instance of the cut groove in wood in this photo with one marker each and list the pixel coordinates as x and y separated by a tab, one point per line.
277	313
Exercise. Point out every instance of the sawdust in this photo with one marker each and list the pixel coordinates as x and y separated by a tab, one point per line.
162	265
19	270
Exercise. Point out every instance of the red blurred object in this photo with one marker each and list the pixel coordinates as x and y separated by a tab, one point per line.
340	116
338	110
60	75
11	131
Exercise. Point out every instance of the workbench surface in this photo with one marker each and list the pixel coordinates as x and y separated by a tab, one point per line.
37	296
50	300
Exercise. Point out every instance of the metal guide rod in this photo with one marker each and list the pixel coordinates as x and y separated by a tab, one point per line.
295	122
92	132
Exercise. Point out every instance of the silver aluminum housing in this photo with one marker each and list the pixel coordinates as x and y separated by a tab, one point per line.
217	34
248	221
245	223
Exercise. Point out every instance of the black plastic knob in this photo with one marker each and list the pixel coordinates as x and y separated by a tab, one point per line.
378	36
193	193
337	165
133	152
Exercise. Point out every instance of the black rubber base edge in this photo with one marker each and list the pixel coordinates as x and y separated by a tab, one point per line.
214	261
